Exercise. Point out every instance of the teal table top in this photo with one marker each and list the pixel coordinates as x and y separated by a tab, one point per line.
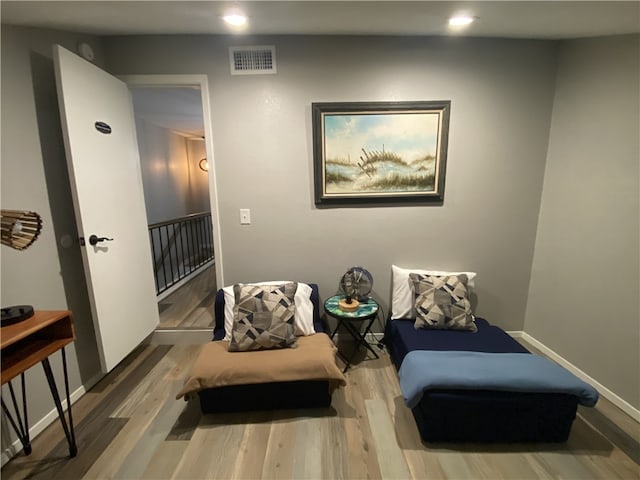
366	309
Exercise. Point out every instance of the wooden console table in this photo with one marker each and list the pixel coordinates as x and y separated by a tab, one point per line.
23	345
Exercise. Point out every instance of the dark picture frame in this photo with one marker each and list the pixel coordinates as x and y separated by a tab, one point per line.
380	152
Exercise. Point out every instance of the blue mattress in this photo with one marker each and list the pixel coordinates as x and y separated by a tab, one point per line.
402	338
480	415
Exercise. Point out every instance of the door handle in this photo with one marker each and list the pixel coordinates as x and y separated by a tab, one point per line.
94	239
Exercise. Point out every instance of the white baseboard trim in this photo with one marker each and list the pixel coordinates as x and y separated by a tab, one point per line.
16	447
604	391
515	333
180	337
376	336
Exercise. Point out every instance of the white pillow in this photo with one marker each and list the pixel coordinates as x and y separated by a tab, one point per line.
303	320
402	302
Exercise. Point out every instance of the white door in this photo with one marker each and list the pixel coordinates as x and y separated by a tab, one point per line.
104	170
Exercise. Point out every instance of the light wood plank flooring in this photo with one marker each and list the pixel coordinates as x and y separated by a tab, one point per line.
191	306
130	426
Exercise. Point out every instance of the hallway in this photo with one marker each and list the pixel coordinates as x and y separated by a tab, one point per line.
191	306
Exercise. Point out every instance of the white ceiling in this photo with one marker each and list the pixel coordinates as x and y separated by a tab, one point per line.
176	108
181	109
513	19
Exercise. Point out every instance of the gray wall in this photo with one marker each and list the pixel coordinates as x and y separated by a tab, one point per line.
199	200
502	93
34	176
173	184
263	156
583	299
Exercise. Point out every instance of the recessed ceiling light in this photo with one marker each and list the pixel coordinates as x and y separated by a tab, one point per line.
235	19
461	20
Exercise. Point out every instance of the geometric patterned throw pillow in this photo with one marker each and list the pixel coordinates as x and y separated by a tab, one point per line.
442	303
263	317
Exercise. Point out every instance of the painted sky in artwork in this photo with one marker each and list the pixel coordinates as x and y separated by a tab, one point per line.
411	135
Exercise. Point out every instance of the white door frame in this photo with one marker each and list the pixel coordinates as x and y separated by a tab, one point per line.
202	81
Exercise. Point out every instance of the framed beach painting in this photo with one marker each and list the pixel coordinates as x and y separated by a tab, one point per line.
380	152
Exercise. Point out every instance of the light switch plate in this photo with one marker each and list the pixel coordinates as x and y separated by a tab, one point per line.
245	216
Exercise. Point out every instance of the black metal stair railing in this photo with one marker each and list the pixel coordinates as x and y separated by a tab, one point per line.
180	247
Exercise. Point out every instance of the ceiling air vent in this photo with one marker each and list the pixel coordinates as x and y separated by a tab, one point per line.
252	60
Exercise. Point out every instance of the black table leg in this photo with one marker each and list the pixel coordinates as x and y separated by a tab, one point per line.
333	334
68	430
358	336
20	427
361	337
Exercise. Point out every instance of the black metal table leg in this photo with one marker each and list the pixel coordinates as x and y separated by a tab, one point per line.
20	427
358	336
333	334
354	333
362	337
73	448
340	354
68	430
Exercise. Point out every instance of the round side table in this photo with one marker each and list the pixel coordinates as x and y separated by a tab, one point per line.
353	322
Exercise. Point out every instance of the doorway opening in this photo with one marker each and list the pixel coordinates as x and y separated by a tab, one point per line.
172	122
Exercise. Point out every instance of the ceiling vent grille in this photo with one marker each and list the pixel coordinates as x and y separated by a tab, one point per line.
252	60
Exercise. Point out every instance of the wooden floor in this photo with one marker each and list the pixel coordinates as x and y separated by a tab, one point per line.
131	426
191	306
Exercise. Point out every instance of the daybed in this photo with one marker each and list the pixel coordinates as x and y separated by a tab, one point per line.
481	386
283	378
